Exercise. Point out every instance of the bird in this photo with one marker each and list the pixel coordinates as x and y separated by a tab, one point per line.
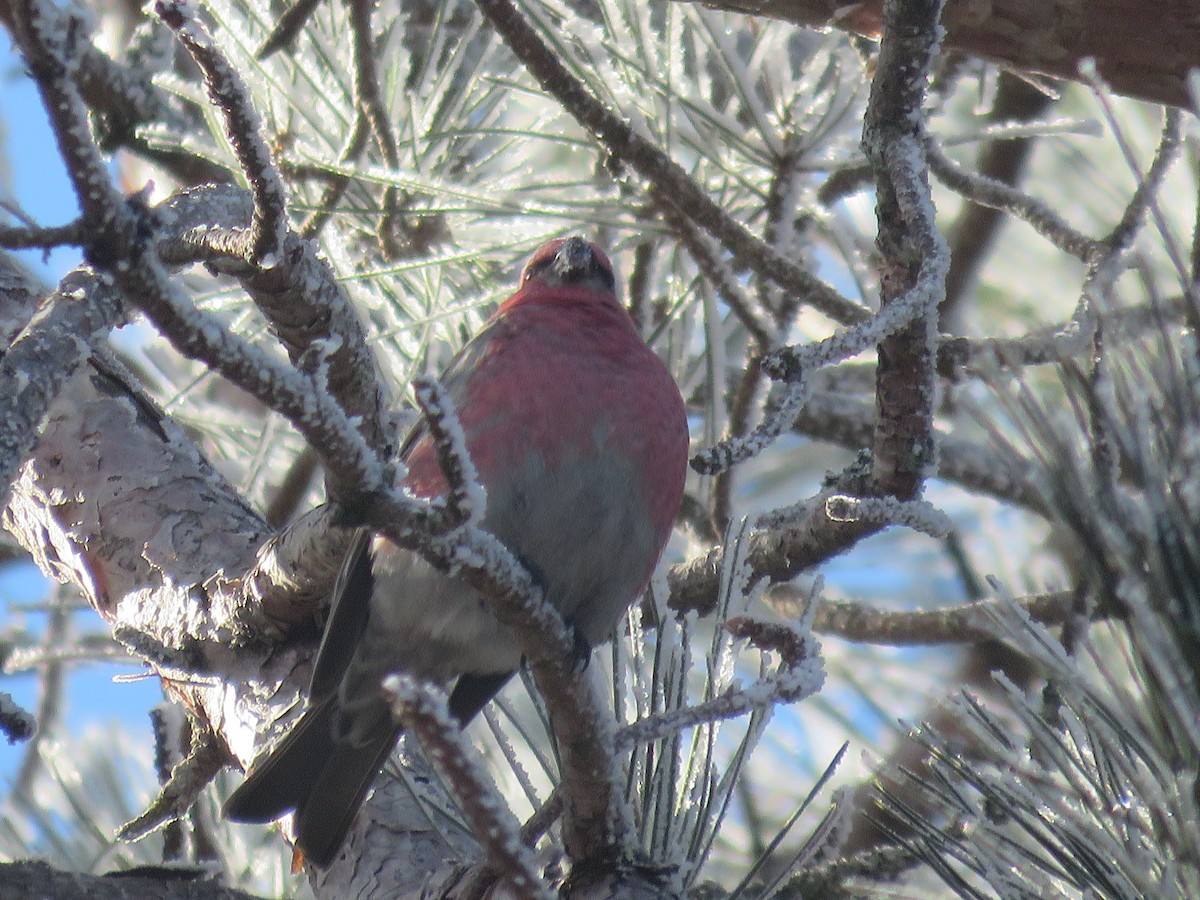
579	436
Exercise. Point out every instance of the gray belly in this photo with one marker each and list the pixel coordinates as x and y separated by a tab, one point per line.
584	541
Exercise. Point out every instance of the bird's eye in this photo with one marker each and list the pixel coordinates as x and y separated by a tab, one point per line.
536	267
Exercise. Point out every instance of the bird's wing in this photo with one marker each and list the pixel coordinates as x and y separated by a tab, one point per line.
347	618
351	604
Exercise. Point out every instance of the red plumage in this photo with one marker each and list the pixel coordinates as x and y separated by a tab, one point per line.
579	436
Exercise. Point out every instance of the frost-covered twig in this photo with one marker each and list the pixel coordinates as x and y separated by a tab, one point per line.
919	515
793	364
741	405
723	456
671	181
192	774
465	499
1035	349
425	713
169	725
800	674
1145	197
289	24
243	127
1008	144
966	623
998	195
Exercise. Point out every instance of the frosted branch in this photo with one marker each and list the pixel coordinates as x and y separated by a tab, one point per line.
425	713
465	499
206	758
243	127
915	257
1035	349
1145	197
998	195
723	456
919	515
300	296
774	554
118	245
792	364
800	674
966	623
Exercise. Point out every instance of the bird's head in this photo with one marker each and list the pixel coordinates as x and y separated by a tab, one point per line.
570	262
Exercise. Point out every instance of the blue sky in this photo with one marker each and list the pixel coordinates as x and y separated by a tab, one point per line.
35	178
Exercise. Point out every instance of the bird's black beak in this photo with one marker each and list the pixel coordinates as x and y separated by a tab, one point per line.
574	260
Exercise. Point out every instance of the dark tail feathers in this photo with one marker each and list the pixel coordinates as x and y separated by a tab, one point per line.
323	781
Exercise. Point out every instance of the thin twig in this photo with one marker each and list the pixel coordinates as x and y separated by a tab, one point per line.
368	98
288	26
1145	196
465	498
243	126
425	712
24	237
998	195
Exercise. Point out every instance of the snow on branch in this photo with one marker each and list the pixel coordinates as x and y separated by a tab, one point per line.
466	499
919	515
243	127
800	674
424	711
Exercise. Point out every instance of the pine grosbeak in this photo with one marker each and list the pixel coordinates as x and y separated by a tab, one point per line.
579	436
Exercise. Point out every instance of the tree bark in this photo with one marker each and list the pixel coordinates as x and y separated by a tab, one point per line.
1142	50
